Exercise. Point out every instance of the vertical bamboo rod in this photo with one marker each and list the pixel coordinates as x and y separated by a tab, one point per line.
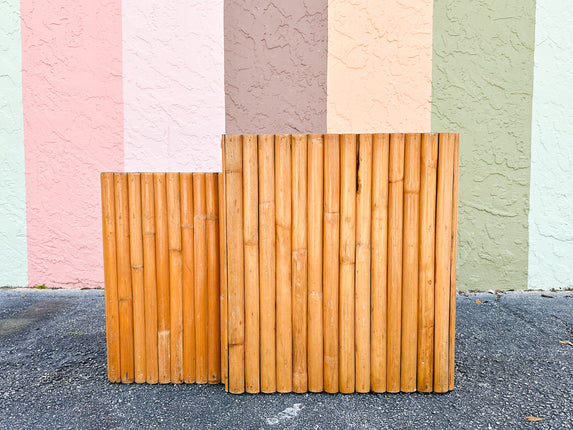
213	315
201	300
330	268
283	262
162	270
299	262
175	276
444	214
266	182
136	255
453	263
395	224
378	300
410	263
235	273
315	208
149	276
223	280
426	270
363	225
251	245
110	277
347	262
124	279
187	250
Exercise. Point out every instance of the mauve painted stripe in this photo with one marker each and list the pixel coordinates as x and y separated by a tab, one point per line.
379	65
13	253
73	124
275	66
173	85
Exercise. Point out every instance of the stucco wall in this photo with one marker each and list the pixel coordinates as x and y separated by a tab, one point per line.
482	86
13	253
275	66
551	208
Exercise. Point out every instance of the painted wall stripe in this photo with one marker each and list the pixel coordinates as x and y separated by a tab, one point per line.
275	66
73	123
13	252
551	196
174	85
482	87
379	65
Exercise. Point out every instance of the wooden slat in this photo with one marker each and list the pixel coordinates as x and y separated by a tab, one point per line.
187	250
428	178
410	263
444	202
213	290
330	269
379	290
283	196
363	225
235	273
201	299
453	262
110	277
315	209
347	262
136	256
223	281
124	278
299	262
395	231
266	181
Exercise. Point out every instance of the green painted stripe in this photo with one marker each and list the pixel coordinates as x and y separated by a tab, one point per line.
13	254
482	84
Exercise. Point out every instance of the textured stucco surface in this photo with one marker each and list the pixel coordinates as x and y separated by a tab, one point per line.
275	66
379	65
482	87
173	84
551	197
13	256
73	124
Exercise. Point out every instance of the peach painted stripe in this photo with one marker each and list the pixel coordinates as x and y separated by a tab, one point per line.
173	85
73	130
379	65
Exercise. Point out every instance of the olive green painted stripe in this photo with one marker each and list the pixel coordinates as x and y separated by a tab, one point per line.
482	85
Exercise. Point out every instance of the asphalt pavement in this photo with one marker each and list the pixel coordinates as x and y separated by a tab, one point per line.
512	362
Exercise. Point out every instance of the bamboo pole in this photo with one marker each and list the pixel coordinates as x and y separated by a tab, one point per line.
299	262
187	250
201	299
149	277
124	278
442	293
410	263
426	277
267	262
213	316
379	263
162	270
347	262
453	263
330	268
175	276
363	225
395	224
251	256
315	209
235	273
283	262
136	256
223	278
110	277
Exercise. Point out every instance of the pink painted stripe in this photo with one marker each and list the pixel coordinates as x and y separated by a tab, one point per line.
73	128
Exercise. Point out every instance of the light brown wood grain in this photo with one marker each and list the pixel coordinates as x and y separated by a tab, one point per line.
454	245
